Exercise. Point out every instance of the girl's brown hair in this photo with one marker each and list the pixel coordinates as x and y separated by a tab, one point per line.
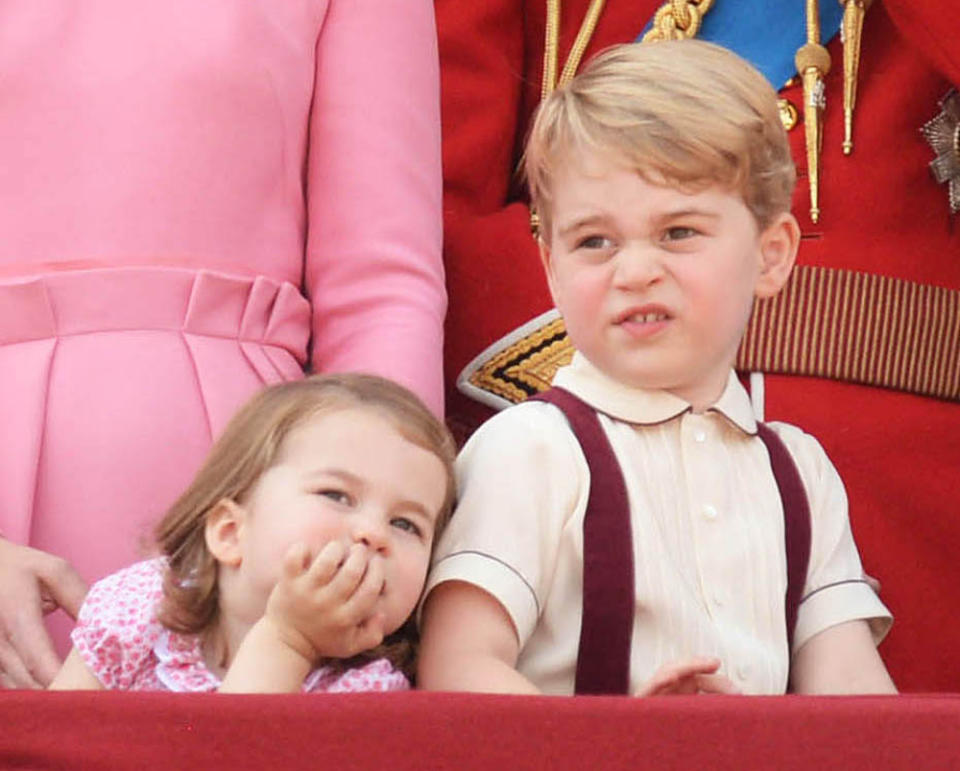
247	448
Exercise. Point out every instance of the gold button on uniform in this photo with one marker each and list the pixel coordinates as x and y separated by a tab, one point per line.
788	113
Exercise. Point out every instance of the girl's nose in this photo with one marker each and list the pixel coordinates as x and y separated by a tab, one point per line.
371	532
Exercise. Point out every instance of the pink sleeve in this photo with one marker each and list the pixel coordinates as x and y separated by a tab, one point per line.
378	675
374	268
116	627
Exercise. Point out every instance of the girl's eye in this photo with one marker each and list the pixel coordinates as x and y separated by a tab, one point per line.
402	523
337	496
593	242
679	233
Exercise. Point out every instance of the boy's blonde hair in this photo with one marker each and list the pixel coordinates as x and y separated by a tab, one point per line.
684	113
247	448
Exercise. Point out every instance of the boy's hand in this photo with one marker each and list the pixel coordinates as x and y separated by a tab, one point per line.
696	675
325	607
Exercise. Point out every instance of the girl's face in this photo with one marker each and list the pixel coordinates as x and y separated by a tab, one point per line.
347	475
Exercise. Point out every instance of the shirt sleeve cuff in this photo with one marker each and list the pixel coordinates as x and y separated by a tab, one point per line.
496	578
838	603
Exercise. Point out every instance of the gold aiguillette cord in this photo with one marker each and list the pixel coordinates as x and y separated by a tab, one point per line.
813	63
851	30
675	19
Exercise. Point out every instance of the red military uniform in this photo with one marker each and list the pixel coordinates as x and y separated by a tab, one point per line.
882	213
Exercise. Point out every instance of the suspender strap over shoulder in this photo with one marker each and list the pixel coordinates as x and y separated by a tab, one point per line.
603	660
796	523
609	593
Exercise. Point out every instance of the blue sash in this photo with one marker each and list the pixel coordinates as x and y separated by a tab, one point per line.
767	33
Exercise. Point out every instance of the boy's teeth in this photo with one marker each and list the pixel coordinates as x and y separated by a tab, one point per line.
647	318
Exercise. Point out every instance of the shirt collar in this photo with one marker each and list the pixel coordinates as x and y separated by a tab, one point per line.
648	406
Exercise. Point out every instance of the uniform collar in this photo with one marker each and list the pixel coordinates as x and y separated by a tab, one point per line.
648	406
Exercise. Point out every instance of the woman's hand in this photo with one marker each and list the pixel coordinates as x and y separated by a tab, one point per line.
325	607
33	583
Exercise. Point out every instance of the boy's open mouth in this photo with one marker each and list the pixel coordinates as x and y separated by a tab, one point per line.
646	318
644	322
645	314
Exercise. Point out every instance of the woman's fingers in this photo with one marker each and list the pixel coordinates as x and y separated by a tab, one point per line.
14	671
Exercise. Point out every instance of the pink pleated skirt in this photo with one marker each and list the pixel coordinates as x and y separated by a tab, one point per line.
113	383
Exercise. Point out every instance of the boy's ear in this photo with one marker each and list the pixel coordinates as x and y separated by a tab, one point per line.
545	255
223	531
779	242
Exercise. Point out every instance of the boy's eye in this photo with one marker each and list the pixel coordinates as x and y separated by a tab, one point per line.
679	233
402	523
337	496
593	242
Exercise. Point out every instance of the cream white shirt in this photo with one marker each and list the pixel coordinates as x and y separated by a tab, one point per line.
707	520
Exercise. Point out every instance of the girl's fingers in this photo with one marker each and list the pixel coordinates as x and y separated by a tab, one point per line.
369	589
326	564
296	560
350	572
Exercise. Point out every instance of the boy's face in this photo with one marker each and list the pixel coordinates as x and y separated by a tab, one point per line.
656	285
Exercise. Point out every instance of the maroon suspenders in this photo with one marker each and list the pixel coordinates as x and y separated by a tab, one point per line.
603	660
609	594
796	522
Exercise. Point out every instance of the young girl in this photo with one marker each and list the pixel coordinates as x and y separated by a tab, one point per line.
292	562
192	193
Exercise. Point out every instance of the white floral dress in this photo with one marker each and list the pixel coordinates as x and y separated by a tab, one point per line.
120	639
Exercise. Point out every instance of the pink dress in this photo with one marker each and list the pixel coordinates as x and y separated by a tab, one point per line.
197	199
122	643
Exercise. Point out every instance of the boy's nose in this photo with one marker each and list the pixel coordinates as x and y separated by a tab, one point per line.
637	266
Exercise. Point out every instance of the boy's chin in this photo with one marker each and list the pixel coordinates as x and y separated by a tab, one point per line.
700	393
640	377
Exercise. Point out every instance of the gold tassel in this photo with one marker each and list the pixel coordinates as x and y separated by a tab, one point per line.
851	33
813	63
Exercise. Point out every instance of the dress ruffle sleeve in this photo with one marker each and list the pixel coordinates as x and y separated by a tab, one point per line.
378	675
117	626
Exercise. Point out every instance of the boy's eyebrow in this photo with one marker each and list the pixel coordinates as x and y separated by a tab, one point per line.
694	212
596	219
590	219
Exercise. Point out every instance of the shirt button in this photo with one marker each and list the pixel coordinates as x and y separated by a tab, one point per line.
718	599
743	672
710	512
700	436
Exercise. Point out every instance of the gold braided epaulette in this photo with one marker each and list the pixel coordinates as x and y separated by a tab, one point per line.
836	324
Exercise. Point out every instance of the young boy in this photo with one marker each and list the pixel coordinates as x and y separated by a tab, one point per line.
662	179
